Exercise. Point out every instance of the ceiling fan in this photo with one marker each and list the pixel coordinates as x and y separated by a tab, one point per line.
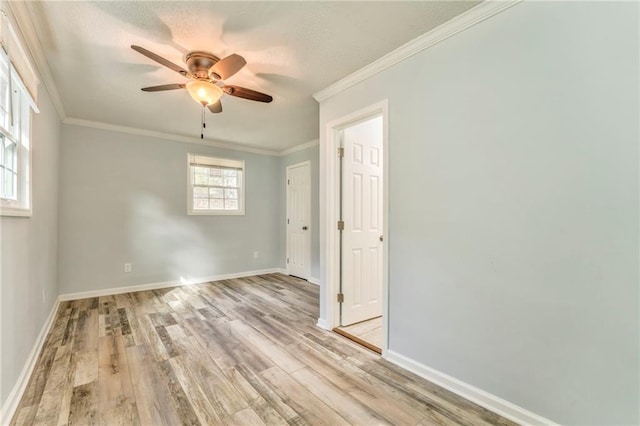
206	73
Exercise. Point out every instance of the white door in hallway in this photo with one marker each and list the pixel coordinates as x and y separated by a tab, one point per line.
362	209
299	220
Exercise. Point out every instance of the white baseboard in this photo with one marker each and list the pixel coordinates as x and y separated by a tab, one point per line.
165	284
322	323
11	404
311	280
484	399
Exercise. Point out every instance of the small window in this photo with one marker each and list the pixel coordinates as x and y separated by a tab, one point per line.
15	154
216	185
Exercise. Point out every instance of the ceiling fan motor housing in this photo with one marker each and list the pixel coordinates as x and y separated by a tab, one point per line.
199	63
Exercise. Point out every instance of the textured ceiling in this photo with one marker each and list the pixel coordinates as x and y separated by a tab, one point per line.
293	49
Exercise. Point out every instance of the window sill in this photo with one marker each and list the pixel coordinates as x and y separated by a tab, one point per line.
15	212
215	213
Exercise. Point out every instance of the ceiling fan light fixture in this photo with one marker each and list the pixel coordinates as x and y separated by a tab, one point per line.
204	92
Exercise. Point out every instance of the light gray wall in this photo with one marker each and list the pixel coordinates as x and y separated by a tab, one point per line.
310	154
29	254
513	196
123	198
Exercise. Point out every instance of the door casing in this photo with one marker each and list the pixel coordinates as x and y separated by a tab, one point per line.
330	174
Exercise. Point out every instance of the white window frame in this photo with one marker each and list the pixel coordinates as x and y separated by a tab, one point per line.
21	106
221	163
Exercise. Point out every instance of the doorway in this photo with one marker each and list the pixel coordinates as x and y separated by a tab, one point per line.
298	220
361	224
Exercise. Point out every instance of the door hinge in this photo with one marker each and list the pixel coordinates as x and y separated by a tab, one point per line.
340	297
287	221
288	182
287	260
340	152
341	225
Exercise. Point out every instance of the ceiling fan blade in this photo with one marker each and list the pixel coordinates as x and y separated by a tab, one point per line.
163	87
226	67
215	108
159	59
243	92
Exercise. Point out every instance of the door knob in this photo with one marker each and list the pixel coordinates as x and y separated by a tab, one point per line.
381	238
304	228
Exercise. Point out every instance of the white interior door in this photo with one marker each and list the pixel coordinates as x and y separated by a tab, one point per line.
299	220
362	209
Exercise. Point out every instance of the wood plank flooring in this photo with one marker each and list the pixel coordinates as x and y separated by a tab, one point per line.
233	352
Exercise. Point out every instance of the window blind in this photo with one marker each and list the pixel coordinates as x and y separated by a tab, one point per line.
221	163
13	47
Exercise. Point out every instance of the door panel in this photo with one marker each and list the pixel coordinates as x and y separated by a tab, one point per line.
299	218
362	215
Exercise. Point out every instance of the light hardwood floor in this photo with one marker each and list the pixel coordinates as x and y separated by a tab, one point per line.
236	352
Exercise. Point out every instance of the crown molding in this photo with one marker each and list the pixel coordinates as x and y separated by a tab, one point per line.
23	17
299	147
167	136
186	139
442	32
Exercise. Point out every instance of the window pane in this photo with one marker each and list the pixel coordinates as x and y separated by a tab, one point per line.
4	96
230	181
9	166
216	180
215	172
200	203
231	204
217	204
16	110
231	193
200	192
10	159
200	178
231	173
10	185
216	193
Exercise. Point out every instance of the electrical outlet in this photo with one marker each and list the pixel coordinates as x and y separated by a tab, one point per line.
127	267
256	254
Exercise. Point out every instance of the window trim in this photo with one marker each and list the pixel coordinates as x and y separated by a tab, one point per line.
223	162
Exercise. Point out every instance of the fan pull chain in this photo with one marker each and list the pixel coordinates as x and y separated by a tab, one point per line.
203	124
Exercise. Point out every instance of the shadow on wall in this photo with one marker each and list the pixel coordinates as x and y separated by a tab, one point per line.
164	244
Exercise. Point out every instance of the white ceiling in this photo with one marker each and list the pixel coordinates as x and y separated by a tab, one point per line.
293	50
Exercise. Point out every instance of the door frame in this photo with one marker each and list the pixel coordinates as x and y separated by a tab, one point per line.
286	213
331	178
